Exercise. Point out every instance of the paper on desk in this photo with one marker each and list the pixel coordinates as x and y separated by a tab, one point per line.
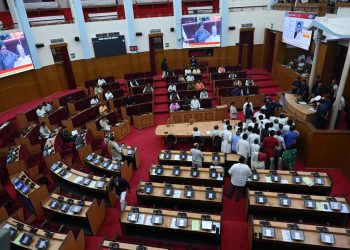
189	157
153	172
195	225
141	219
308	181
302	103
148	220
323	206
78	179
217	225
176	157
161	156
312	109
17	240
57	170
67	176
284	181
344	208
286	235
208	133
268	179
177	194
220	178
92	184
173	224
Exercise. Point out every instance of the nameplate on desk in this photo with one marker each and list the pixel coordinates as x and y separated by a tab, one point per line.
26	239
99	184
285	201
327	238
42	244
297	235
76	209
54	204
86	181
268	232
310	203
54	167
176	171
210	194
168	190
106	164
159	170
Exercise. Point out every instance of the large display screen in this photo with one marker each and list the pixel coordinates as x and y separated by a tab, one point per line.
14	54
199	32
293	29
109	46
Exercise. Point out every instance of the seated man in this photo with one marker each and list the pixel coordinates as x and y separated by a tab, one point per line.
196	71
103	109
104	123
129	100
190	86
221	69
47	107
94	101
169	73
98	90
189	78
174	106
40	112
296	85
67	136
172	87
181	78
148	89
235	91
199	85
249	82
245	91
232	75
133	83
109	95
174	96
204	94
188	71
195	104
101	81
44	131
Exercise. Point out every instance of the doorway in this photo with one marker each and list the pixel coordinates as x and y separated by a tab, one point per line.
270	39
155	51
246	48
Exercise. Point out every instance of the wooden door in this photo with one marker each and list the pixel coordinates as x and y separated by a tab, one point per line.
246	45
156	51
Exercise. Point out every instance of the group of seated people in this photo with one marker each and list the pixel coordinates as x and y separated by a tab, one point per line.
44	109
187	104
301	64
147	89
240	89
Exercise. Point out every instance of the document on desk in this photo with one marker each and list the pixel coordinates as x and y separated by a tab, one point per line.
173	224
284	181
176	157
57	170
92	184
344	208
220	178
189	157
78	180
161	156
67	176
17	240
268	179
308	181
286	235
141	219
217	225
177	194
323	206
195	225
148	220
208	132
153	172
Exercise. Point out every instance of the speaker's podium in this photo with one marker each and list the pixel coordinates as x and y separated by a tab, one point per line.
143	121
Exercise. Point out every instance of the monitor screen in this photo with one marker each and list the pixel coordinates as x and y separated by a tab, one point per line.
14	57
198	32
293	29
109	46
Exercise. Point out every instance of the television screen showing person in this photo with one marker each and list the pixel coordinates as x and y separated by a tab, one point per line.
201	34
298	31
7	57
23	58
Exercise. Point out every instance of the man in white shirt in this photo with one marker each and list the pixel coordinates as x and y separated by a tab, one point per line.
197	156
40	112
195	104
242	147
134	83
253	136
47	107
187	71
254	147
94	101
115	149
109	95
172	87
204	94
190	78
239	174
101	81
196	132
104	123
98	90
44	131
233	111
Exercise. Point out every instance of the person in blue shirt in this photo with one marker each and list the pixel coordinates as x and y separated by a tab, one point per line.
201	34
7	57
296	85
322	114
235	91
234	141
303	92
290	137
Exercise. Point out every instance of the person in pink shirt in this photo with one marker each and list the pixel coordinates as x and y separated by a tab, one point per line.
174	106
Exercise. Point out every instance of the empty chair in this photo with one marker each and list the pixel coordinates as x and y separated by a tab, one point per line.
170	141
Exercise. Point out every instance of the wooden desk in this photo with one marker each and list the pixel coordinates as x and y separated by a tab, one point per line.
57	241
184	130
14	161
143	121
54	118
189	233
121	129
300	111
31	198
90	217
287	185
257	100
178	199
186	178
175	158
311	235
50	153
272	208
285	76
218	113
132	155
29	138
125	170
106	244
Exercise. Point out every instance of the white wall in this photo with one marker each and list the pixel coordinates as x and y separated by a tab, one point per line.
275	20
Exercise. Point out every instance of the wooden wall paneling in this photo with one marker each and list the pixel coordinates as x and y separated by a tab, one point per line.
346	92
51	79
258	56
329	62
266	47
81	72
144	63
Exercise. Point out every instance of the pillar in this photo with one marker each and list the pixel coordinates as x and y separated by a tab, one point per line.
341	87
129	15
24	24
14	14
77	12
177	6
224	22
317	39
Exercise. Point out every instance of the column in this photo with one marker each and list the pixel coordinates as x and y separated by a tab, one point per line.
269	4
317	39
14	14
24	24
341	87
77	12
129	15
224	22
177	6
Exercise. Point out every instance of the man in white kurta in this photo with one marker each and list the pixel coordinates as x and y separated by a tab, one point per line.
226	140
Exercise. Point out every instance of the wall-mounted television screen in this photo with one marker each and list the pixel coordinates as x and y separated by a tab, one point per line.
109	46
293	29
14	54
199	32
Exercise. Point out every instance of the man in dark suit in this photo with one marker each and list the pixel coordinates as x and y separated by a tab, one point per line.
121	186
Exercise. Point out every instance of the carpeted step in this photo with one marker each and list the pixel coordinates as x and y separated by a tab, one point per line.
234	235
161	91
270	91
161	108
261	77
93	242
266	84
161	99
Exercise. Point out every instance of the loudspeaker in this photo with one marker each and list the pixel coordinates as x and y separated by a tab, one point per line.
39	45
172	29
77	39
138	33
232	28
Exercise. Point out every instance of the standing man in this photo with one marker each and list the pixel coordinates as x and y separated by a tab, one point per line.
121	186
226	140
164	67
239	174
195	104
193	62
7	57
201	34
269	144
197	156
114	149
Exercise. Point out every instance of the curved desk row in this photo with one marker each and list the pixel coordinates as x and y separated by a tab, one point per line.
218	113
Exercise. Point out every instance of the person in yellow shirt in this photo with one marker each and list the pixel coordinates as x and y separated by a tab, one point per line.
103	109
199	85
